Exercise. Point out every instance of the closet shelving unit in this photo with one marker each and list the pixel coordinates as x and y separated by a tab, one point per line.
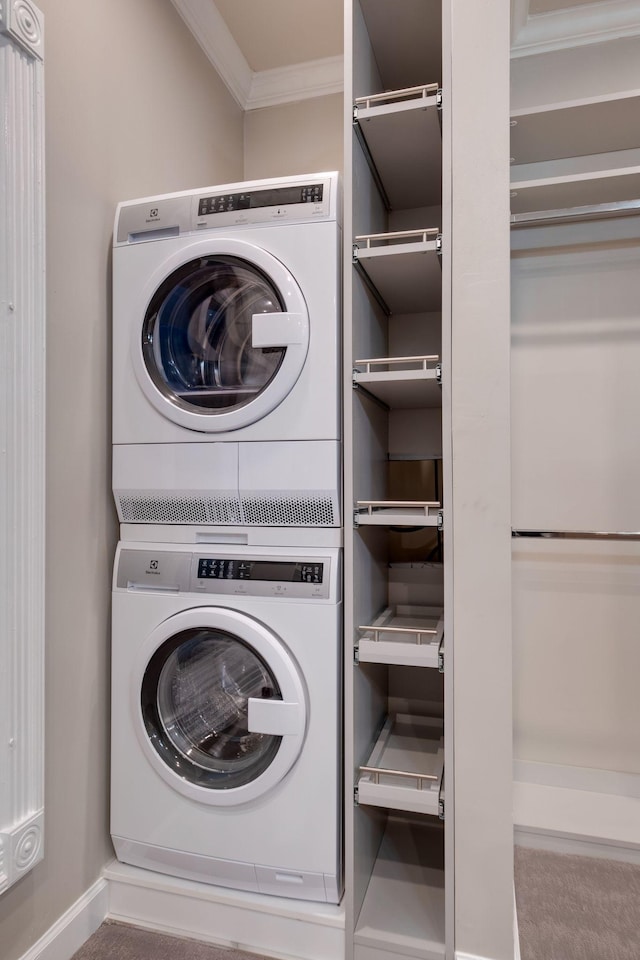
395	714
576	173
406	635
405	121
576	153
404	771
407	382
402	268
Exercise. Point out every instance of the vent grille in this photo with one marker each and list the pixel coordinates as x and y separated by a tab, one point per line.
313	511
150	508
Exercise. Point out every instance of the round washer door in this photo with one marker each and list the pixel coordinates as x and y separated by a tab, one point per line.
219	705
224	337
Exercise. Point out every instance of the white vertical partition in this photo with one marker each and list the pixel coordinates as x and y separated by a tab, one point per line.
22	439
479	534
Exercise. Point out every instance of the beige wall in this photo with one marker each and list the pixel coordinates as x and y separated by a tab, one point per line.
304	137
133	108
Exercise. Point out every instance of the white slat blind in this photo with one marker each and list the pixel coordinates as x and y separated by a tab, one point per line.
22	439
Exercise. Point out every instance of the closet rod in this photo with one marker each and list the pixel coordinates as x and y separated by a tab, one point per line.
577	534
594	211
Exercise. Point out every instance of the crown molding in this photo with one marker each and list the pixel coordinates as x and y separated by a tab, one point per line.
205	22
572	27
264	88
315	78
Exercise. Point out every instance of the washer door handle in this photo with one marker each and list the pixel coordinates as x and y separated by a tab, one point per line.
276	717
278	329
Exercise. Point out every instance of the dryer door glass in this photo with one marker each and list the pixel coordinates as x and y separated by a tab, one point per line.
194	701
197	335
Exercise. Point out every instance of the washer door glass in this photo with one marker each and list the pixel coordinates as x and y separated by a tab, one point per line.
197	335
194	700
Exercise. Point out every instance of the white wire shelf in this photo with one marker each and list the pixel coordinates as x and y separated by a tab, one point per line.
404	124
407	382
404	771
403	267
398	513
405	635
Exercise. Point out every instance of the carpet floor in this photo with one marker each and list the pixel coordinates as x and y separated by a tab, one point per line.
569	908
576	908
119	941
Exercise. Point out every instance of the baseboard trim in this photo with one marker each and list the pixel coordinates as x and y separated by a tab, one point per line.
558	842
271	926
476	956
516	930
605	819
470	956
74	927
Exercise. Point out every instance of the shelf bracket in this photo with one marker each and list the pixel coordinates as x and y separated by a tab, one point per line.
356	653
439	372
439	99
440	524
356	518
356	798
441	809
441	656
439	244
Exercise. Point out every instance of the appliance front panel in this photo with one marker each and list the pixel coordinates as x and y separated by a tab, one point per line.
158	384
219	336
196	692
310	792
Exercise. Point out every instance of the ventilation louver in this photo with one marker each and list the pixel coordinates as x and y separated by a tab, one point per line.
151	508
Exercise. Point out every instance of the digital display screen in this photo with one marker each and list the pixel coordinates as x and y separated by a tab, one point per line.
230	202
284	571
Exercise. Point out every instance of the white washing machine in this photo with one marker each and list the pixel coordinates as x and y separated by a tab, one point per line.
226	354
226	715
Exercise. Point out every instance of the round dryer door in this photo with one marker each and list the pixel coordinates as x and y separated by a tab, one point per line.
224	338
220	705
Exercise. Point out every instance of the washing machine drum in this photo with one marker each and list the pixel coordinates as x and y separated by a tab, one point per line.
224	339
221	706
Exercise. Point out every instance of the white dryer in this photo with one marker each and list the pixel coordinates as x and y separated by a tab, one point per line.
226	715
226	338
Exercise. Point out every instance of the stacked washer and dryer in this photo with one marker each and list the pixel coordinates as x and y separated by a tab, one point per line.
226	719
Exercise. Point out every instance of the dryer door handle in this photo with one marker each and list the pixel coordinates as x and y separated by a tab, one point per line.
278	329
275	717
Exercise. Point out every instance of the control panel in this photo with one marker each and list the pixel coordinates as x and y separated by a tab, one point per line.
212	208
217	573
257	199
214	568
262	577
